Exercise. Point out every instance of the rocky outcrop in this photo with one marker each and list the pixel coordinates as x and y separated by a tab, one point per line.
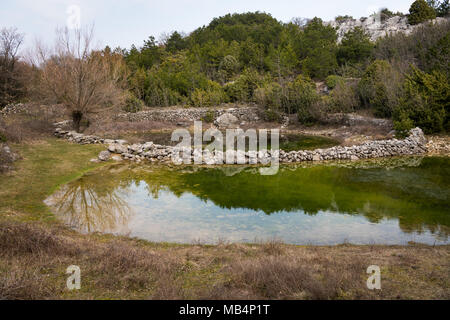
375	27
243	114
414	144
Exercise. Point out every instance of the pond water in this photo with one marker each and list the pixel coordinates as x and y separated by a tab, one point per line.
380	201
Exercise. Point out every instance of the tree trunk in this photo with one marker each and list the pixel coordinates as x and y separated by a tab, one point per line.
76	118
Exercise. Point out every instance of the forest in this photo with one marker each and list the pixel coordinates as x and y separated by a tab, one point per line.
254	58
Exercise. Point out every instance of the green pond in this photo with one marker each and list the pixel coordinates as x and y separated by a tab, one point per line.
387	201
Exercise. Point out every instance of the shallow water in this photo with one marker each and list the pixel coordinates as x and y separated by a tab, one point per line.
380	201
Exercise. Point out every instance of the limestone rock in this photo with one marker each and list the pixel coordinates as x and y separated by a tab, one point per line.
117	148
227	120
104	155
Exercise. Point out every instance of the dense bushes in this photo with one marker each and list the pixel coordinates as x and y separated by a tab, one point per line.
213	95
379	88
318	47
132	104
425	102
254	58
344	97
240	52
298	96
355	47
14	74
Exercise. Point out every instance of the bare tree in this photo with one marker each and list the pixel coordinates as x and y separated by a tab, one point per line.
84	80
10	42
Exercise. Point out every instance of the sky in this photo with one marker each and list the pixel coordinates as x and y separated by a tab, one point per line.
126	22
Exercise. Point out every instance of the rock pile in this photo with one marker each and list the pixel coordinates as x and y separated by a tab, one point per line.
439	145
414	144
14	108
80	138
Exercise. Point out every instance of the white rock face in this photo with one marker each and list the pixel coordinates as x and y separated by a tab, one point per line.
375	28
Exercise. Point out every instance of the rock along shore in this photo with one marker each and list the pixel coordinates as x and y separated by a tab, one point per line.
414	144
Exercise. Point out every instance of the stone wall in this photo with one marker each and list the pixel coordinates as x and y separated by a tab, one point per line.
414	144
244	114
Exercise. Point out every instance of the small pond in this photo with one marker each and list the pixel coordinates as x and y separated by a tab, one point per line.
390	201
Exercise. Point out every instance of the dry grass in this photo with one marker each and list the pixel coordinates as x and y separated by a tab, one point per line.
18	128
133	132
33	259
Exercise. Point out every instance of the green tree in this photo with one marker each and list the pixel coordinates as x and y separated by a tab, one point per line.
355	46
420	11
176	43
318	49
425	102
379	88
440	7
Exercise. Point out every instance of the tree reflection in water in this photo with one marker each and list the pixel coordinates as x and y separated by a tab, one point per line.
413	191
89	206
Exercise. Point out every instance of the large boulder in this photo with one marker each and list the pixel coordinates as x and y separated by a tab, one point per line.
104	156
227	120
117	148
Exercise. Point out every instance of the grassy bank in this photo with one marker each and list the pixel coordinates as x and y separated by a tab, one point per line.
35	250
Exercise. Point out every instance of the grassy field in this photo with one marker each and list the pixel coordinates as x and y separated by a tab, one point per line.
35	250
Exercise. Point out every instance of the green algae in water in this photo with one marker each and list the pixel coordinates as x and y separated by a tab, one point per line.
390	201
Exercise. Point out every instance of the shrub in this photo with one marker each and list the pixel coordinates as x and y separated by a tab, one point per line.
332	81
379	88
427	47
209	116
420	12
344	97
213	95
303	97
133	104
425	102
318	47
343	18
272	115
440	7
298	96
403	124
270	96
229	66
242	88
355	46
